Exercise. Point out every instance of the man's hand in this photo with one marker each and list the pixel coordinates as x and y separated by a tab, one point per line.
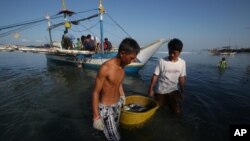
98	124
151	93
123	99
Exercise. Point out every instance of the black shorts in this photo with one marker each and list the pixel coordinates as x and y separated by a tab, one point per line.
172	99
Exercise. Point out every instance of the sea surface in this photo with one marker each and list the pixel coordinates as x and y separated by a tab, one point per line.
45	101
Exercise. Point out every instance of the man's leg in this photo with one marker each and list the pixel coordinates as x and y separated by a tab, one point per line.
161	99
174	102
110	116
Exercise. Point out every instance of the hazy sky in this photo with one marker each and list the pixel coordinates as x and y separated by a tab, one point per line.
200	24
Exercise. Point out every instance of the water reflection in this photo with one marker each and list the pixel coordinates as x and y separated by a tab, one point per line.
246	76
70	75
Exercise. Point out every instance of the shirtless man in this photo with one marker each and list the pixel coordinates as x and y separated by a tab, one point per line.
108	95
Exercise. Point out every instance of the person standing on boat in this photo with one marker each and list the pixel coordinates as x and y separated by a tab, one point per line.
66	41
223	63
63	38
108	95
169	75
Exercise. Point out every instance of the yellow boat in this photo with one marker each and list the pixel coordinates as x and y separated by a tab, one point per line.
137	119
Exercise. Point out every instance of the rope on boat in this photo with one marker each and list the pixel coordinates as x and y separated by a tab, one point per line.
118	25
17	30
96	9
86	28
25	24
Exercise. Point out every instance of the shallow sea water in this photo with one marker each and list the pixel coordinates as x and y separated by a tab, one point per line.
42	100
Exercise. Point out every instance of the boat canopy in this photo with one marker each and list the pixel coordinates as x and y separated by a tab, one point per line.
67	12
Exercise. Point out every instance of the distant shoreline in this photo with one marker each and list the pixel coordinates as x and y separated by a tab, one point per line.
241	50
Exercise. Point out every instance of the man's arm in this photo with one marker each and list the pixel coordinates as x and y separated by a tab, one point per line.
97	89
181	83
122	94
152	83
121	90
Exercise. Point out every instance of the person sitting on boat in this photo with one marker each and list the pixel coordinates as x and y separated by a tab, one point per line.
66	41
78	44
108	95
89	43
82	41
98	46
170	76
107	44
223	63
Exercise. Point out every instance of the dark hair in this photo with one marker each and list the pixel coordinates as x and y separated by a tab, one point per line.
175	44
129	45
88	36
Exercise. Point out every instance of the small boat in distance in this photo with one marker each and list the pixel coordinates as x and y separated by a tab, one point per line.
221	52
227	53
225	50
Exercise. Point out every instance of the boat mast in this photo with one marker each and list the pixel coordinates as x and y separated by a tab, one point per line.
65	12
101	12
49	25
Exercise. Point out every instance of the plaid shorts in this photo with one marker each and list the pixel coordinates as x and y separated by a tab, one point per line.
110	115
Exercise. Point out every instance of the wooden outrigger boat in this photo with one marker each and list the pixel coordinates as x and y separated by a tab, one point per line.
93	60
81	58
